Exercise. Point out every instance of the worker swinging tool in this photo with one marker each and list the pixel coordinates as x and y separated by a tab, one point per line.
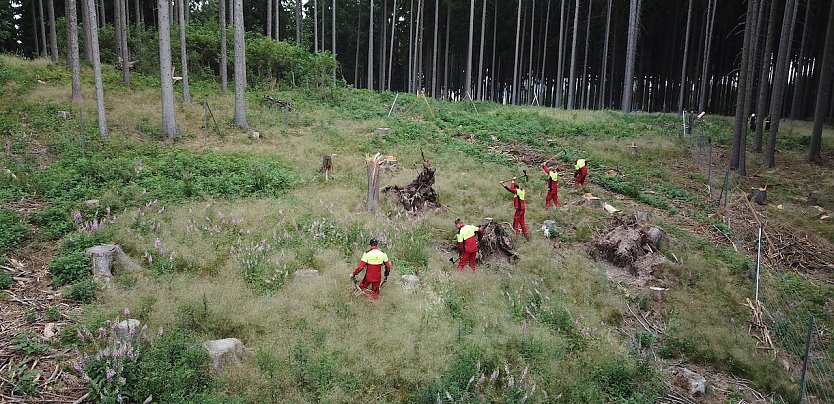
580	173
520	207
372	261
552	186
467	238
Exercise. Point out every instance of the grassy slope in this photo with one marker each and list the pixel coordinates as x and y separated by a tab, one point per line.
318	342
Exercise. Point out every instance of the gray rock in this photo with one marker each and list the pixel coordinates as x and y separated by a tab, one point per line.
549	228
91	203
383	131
64	114
305	274
224	351
410	281
124	327
50	330
697	383
256	135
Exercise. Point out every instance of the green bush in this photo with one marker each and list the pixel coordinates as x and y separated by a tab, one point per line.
83	291
12	231
69	268
5	280
53	222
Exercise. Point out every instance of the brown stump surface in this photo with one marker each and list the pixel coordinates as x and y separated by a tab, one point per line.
418	195
758	195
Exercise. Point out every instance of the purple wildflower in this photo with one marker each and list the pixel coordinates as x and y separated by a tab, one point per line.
126	312
77	217
110	374
494	375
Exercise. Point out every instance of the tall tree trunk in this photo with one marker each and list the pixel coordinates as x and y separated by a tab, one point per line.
764	80
277	21
530	54
446	56
169	123
542	86
43	28
685	56
315	26
703	96
36	43
628	78
480	89
125	51
572	74
268	18
186	92
434	49
391	51
102	13
779	78
585	85
371	48
138	13
356	52
492	75
298	22
72	49
560	81
801	63
823	91
604	72
224	63
745	89
332	33
102	115
53	38
240	66
515	58
421	9
117	28
85	17
382	45
468	84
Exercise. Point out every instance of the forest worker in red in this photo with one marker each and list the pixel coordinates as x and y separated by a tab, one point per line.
467	243
520	207
552	186
372	261
581	171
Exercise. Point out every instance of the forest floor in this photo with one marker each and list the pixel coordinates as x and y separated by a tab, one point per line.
221	221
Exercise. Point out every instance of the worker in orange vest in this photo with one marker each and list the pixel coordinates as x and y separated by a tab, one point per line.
372	261
520	207
467	243
552	186
580	172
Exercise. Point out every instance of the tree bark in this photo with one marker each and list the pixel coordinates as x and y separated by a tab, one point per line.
277	21
411	47
138	13
224	62
515	58
268	18
102	14
125	51
683	83
585	85
779	78
492	75
764	80
370	66
468	84
85	17
169	123
36	42
391	52
480	89
446	56
628	78
542	86
332	33
43	28
796	100
382	45
572	74
560	81
745	91
604	72
702	99
530	53
297	22
434	49
72	49
315	26
372	202
99	85
186	92
823	91
240	67
53	37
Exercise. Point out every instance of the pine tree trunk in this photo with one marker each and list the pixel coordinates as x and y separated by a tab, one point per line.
779	78
604	72
315	26
382	45
297	22
224	62
102	13
572	74
138	13
468	85
391	46
702	100
764	80
277	21
492	75
117	28
186	92
411	48
515	58
72	49
85	17
745	90
240	66
268	18
36	42
99	85
585	85
628	78
123	6
479	90
446	56
434	49
43	28
332	33
530	53
53	38
683	83
800	66
823	91
370	66
169	123
542	87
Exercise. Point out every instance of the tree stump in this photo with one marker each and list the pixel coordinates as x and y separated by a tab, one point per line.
372	202
106	257
758	195
327	166
642	216
812	198
592	201
654	235
223	351
657	294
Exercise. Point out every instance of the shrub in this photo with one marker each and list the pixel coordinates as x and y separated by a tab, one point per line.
83	291
5	280
69	268
12	230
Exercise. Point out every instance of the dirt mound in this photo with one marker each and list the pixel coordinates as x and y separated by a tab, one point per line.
632	248
418	195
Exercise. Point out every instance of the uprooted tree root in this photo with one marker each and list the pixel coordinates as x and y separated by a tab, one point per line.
418	195
632	246
496	239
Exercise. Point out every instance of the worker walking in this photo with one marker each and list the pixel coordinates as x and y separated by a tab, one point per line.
552	186
467	243
580	173
520	207
372	261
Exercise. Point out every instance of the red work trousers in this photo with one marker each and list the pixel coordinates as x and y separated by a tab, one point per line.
518	221
552	197
374	293
467	257
580	179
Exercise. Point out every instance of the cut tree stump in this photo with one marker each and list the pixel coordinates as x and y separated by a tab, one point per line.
372	202
592	201
758	195
383	131
106	257
327	166
657	294
812	198
654	236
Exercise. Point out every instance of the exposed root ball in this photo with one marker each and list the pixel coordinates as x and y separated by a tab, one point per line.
418	195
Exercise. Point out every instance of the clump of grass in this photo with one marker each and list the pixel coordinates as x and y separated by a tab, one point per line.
12	230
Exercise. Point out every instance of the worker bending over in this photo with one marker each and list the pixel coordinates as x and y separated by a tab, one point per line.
520	207
552	186
580	173
372	261
467	243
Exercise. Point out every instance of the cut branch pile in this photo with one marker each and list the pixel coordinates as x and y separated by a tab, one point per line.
271	101
418	195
